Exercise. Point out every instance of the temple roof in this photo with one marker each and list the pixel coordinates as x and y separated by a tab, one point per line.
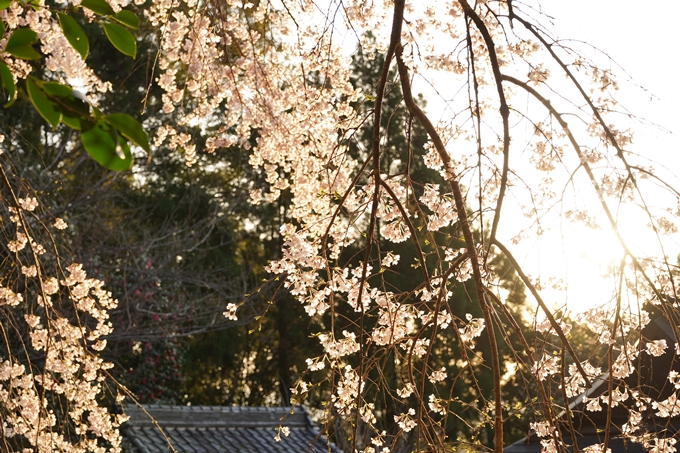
650	378
212	429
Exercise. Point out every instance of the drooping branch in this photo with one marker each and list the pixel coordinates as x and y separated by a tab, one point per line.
527	349
619	153
599	192
397	20
504	110
469	241
544	307
412	230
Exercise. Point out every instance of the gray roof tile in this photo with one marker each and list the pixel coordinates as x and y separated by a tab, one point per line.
222	429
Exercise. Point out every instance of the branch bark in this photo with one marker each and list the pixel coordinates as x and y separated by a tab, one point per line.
469	241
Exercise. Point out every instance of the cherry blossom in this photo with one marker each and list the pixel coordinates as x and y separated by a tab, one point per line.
271	80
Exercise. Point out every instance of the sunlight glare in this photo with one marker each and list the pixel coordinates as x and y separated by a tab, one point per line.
590	256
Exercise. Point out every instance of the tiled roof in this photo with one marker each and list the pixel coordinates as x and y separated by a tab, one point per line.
616	444
590	427
223	429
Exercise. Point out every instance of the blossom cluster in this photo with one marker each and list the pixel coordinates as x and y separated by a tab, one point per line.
62	60
60	316
274	83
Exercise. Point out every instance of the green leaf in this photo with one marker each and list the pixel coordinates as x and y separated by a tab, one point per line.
127	18
8	82
74	34
5	4
72	108
104	145
45	107
55	89
98	7
130	129
2	28
96	113
20	44
72	122
56	102
121	39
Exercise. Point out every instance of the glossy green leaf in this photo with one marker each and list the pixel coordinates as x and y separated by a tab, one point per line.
121	39
72	122
20	44
8	83
56	102
74	34
97	114
127	18
72	108
130	129
45	107
104	145
55	89
98	7
5	4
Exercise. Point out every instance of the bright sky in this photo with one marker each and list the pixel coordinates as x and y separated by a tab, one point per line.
642	45
640	40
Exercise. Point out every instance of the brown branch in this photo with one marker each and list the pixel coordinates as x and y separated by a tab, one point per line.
504	110
469	241
413	231
544	307
600	193
567	410
619	152
397	20
547	405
